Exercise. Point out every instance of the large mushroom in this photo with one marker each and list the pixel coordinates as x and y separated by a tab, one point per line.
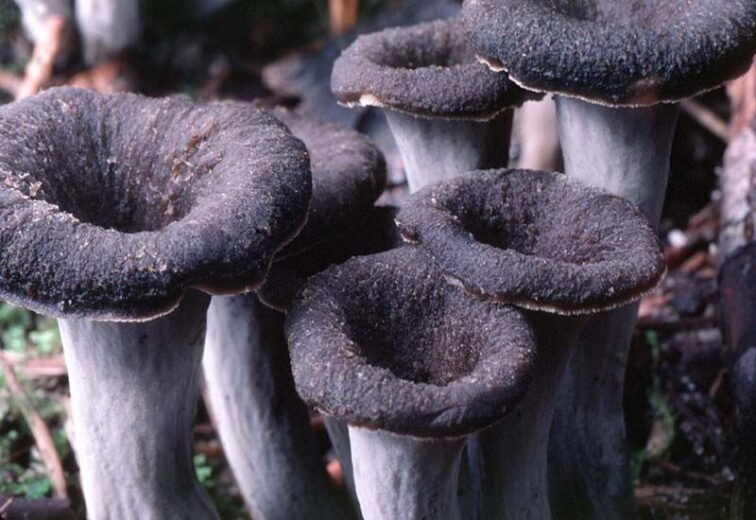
550	245
618	68
414	366
115	210
262	423
447	112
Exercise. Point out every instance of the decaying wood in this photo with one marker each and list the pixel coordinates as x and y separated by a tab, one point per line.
39	429
737	276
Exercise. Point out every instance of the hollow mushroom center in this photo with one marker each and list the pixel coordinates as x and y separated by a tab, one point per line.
417	51
621	12
536	222
127	172
414	337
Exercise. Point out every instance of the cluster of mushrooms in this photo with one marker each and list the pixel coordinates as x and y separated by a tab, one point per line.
466	349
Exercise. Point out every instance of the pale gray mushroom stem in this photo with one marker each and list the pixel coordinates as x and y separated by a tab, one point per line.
405	477
268	442
624	151
435	150
514	451
107	27
263	425
123	376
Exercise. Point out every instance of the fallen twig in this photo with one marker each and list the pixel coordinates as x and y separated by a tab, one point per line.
37	367
38	427
706	118
13	508
694	475
39	69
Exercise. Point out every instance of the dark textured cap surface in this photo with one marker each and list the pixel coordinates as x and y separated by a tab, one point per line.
384	342
425	70
112	205
376	234
535	239
348	175
615	51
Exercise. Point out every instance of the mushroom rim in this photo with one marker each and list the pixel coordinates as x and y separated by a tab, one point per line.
126	287
435	226
496	66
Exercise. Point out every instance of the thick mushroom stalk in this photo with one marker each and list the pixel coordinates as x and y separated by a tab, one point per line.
262	423
618	70
414	366
131	374
114	209
550	245
448	114
403	477
626	152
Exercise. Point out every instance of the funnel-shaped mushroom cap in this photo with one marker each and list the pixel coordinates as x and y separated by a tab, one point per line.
615	51
112	206
425	70
384	342
348	175
535	239
375	234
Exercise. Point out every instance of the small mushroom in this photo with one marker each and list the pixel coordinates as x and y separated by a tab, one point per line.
447	112
114	210
414	366
544	243
262	423
618	69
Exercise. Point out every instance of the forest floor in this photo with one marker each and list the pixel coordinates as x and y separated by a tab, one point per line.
678	402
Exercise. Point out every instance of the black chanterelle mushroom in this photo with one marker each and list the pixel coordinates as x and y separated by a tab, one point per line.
263	425
553	246
618	69
414	366
114	209
447	112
